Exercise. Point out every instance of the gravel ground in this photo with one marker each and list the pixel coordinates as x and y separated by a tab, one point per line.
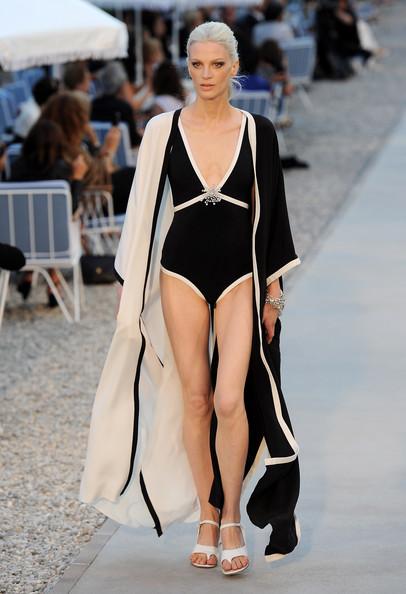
49	369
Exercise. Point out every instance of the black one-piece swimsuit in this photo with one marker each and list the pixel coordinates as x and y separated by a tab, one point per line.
209	242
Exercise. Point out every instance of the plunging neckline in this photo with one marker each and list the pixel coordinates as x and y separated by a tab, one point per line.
195	165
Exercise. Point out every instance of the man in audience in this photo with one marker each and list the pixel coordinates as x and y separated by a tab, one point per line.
116	100
30	110
76	77
273	27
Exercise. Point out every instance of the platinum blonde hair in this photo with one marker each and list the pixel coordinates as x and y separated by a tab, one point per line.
219	33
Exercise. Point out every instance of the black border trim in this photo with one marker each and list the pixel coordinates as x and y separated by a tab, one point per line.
118	277
152	511
158	201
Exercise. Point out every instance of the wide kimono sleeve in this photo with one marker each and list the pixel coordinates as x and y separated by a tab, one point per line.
132	212
280	252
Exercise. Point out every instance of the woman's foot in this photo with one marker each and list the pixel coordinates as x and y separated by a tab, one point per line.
52	302
232	537
207	536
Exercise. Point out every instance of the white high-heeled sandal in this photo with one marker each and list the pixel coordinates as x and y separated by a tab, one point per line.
229	554
207	549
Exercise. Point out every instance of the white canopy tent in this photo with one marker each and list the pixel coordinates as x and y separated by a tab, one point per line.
39	32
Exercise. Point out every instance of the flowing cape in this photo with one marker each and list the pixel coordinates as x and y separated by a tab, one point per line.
136	470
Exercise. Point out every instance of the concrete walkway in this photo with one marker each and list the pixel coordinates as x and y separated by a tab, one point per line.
344	377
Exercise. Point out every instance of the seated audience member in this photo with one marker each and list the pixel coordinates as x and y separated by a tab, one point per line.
251	80
191	19
249	17
30	110
3	158
272	66
72	113
116	99
273	27
156	25
11	258
348	42
228	15
168	90
77	77
337	40
44	157
143	99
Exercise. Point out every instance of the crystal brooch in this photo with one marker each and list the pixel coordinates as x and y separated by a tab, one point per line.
211	196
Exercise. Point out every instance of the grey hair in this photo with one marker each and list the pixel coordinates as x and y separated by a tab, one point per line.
219	33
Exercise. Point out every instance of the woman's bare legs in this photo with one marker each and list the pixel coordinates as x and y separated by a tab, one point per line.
233	321
187	320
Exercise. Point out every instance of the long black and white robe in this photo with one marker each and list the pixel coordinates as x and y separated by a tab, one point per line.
137	471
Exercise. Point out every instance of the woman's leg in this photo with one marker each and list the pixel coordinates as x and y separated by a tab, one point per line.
233	320
187	321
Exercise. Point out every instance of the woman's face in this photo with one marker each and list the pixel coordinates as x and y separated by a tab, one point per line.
210	67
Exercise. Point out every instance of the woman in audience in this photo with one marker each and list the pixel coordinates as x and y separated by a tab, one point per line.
153	53
155	26
72	113
168	89
272	66
251	80
44	157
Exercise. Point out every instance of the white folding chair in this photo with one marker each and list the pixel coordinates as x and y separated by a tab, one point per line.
13	152
301	58
262	103
37	218
29	75
20	91
6	115
100	226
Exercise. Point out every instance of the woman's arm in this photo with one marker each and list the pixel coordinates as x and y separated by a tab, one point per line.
119	289
270	313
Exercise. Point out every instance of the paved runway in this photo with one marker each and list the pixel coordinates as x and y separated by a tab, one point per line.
344	378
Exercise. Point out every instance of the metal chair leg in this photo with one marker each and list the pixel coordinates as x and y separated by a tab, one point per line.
55	291
76	292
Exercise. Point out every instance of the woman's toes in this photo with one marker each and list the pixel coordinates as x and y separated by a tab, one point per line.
212	560
227	566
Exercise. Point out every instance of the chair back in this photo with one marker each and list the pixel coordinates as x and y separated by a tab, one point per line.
29	75
259	102
182	68
19	90
36	217
301	57
13	152
6	112
124	156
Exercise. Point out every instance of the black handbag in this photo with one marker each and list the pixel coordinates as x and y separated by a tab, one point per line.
97	270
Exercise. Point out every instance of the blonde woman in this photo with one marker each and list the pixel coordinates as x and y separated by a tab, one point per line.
190	397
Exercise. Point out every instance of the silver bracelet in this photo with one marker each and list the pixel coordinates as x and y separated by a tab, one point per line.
276	302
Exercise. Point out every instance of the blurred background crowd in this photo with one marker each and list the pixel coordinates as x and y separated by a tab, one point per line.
83	122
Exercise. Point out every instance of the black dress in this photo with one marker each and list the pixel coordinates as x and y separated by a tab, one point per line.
208	245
